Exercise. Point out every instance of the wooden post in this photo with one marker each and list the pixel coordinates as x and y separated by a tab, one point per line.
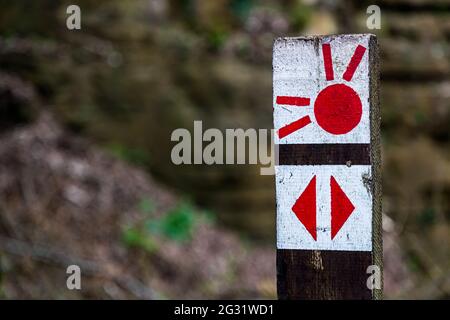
327	123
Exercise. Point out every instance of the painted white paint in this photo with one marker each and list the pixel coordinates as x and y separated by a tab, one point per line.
298	70
355	234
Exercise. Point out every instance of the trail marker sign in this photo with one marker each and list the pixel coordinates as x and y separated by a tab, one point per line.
326	118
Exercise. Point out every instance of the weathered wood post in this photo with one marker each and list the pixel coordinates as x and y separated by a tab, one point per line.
327	123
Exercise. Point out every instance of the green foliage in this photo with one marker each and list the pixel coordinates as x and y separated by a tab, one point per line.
136	156
300	15
177	225
217	37
241	8
136	236
414	262
133	237
420	117
427	217
146	206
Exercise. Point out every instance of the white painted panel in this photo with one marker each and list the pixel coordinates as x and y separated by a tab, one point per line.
298	70
355	234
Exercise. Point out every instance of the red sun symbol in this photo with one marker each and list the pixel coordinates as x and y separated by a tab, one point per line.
337	108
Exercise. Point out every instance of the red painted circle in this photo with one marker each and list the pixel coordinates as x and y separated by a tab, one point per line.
338	109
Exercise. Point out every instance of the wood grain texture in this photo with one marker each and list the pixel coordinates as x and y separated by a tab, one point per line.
327	274
331	275
375	159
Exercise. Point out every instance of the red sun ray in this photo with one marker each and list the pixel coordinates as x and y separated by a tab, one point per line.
327	61
293	101
354	63
293	126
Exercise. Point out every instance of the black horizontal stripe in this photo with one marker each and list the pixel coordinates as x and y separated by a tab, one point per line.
323	154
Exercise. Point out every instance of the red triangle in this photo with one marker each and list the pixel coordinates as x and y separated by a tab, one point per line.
341	207
305	208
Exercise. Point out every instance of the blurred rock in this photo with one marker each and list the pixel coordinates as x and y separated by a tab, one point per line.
397	278
65	202
17	99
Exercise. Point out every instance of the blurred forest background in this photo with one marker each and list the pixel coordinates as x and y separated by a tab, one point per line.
86	117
